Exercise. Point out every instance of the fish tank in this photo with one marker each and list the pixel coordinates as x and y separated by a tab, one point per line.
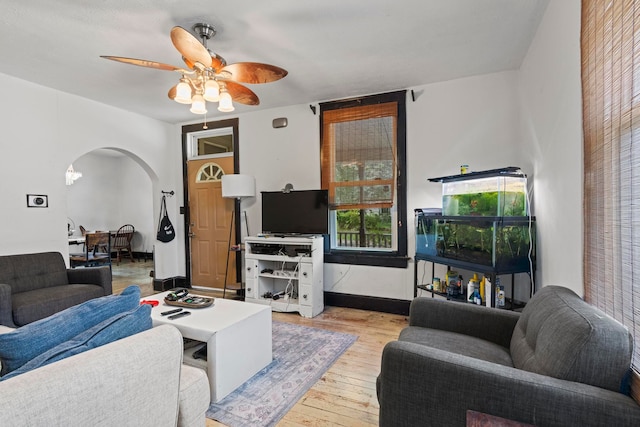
496	192
498	243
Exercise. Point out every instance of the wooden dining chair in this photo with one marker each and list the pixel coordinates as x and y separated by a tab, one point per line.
94	250
83	232
122	242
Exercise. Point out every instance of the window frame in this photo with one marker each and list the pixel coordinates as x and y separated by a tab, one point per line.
384	258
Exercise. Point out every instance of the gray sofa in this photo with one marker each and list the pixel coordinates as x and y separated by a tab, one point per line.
137	381
35	286
561	362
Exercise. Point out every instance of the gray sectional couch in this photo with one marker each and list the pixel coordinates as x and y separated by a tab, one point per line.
136	381
561	362
35	286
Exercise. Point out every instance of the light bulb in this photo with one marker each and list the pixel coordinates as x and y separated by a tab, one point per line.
226	104
198	105
212	91
183	92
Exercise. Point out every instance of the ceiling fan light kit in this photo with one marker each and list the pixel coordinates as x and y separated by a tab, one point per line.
198	106
209	78
183	92
211	91
225	105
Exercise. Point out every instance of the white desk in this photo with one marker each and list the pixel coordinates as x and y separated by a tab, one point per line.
238	337
79	240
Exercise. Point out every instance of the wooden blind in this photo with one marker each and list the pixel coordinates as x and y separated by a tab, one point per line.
610	43
359	155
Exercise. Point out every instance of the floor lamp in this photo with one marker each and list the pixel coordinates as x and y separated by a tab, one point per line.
236	186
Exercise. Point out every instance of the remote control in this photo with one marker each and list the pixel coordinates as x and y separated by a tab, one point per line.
177	310
175	316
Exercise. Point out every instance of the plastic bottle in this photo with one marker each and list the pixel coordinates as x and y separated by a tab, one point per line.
499	294
482	285
451	282
487	292
476	297
472	286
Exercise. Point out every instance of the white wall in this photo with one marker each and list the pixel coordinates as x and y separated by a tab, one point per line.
40	139
552	134
113	191
279	156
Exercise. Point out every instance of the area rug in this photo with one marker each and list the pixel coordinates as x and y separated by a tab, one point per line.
301	355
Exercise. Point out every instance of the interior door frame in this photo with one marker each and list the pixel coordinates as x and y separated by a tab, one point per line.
186	131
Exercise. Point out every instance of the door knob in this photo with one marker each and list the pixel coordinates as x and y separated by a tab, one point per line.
192	235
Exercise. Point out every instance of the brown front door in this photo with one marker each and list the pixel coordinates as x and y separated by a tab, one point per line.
210	222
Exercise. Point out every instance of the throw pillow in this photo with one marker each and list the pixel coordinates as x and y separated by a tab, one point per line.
28	341
117	327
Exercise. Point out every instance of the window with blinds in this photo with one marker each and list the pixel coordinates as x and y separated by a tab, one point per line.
610	45
361	141
359	145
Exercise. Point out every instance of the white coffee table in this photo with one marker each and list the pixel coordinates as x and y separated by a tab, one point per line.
238	337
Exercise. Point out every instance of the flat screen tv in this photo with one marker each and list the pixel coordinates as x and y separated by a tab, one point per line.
295	212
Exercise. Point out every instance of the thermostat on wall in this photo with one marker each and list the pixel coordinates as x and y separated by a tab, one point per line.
37	201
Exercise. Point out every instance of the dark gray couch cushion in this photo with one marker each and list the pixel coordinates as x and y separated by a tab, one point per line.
40	303
27	272
560	335
457	343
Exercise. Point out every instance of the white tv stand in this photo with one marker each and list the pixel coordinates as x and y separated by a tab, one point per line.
285	273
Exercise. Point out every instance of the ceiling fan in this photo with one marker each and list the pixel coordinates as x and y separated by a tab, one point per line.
209	77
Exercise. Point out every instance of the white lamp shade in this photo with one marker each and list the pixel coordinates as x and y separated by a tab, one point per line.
198	105
211	91
237	186
226	103
183	93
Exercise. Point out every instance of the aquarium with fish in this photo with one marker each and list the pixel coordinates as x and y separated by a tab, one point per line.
496	192
500	243
484	220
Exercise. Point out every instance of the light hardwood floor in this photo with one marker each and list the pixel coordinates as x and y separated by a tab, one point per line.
345	395
129	273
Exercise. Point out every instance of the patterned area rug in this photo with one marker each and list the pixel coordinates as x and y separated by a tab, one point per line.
300	356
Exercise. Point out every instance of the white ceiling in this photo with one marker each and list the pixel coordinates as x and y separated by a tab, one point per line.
332	49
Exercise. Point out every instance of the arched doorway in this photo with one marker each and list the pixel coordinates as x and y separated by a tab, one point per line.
116	188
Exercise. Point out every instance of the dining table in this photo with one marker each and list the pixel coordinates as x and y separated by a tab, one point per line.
76	240
79	240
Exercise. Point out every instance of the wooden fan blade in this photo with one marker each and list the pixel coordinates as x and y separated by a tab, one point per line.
143	63
216	63
241	94
189	47
254	72
172	93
